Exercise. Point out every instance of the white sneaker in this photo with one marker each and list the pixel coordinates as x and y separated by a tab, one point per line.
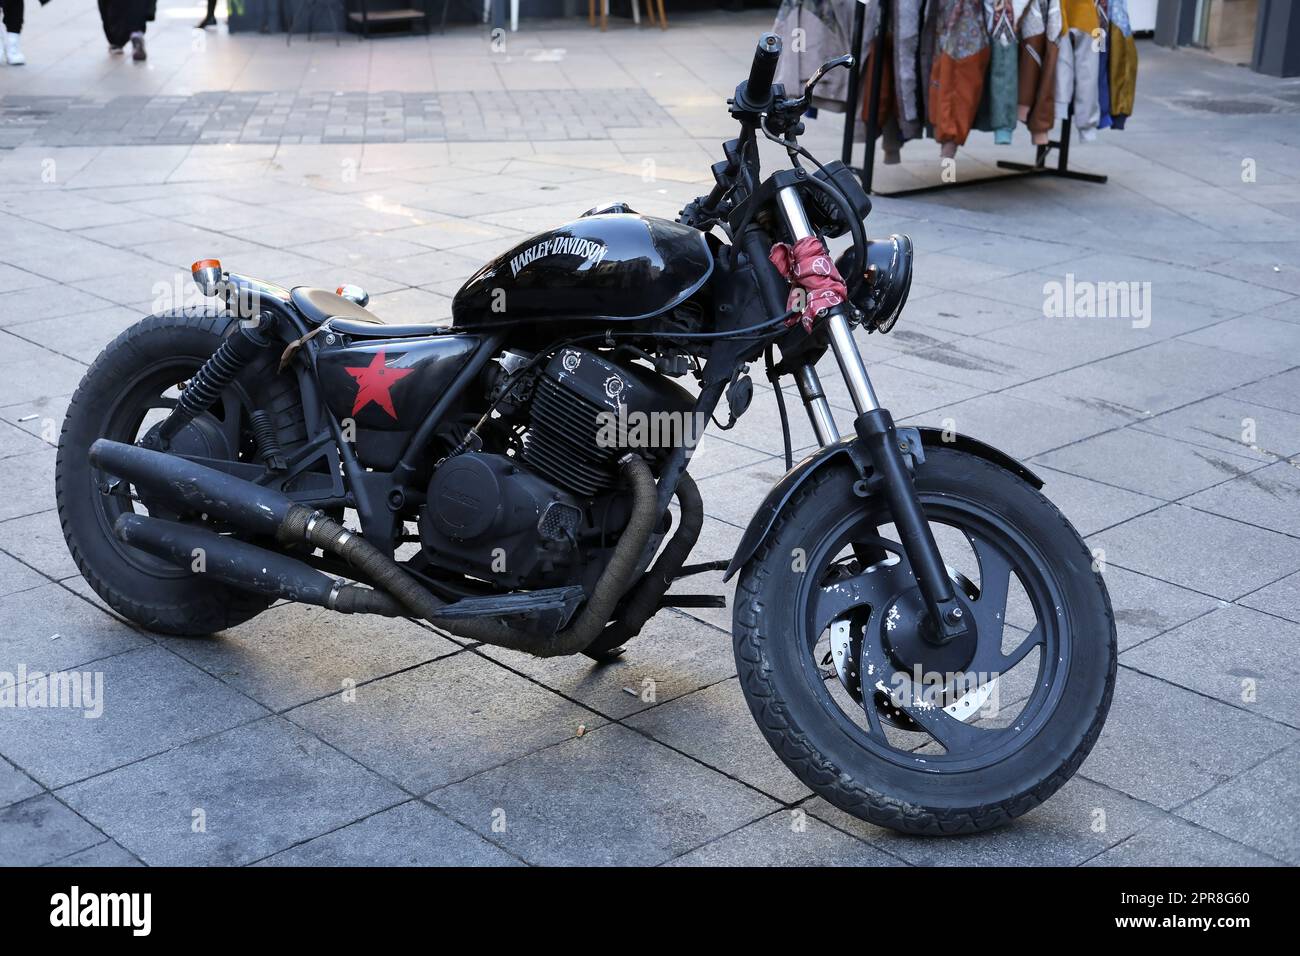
137	47
13	51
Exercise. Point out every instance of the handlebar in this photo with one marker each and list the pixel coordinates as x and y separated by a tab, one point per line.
758	88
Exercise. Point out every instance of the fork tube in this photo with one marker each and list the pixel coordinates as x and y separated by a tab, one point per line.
841	336
819	410
875	428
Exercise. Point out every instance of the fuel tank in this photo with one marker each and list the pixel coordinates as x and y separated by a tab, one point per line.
614	267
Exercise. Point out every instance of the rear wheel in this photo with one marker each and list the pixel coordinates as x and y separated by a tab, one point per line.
131	387
837	661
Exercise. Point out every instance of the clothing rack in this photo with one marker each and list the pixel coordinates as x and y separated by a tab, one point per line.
1039	166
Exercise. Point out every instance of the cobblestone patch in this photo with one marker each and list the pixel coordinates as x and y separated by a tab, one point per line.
323	117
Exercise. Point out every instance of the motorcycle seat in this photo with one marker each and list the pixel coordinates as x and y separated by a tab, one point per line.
347	318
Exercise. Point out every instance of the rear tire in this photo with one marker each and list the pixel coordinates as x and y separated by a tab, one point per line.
158	599
905	793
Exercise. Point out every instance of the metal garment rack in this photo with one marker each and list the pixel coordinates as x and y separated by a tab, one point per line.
1039	166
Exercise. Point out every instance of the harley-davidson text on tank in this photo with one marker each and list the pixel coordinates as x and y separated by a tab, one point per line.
590	251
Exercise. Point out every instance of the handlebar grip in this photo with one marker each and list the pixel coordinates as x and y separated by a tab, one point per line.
758	88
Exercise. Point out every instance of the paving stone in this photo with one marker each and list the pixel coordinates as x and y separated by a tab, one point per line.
413	834
672	656
37	540
15	785
28	480
261	788
294	653
41	829
787	838
1079	821
106	855
1269	497
1149	464
653	804
1145	606
444	721
1258	808
1215	742
130	707
1281	598
1149	380
1251	335
1173	842
18	441
715	726
1234	654
1230	424
1091	505
1201	551
16	576
1275	391
1020	428
49	628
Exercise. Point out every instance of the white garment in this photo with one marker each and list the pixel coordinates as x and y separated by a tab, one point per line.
1078	70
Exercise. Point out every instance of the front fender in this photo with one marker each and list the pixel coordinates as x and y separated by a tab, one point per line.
785	489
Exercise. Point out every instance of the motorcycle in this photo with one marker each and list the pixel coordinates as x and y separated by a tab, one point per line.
920	634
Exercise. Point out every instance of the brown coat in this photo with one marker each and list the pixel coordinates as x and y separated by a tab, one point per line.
961	61
1040	27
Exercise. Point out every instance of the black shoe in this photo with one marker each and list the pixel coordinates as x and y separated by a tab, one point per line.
207	22
137	47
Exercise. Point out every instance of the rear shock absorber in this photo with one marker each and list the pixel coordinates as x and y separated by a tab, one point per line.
268	443
215	375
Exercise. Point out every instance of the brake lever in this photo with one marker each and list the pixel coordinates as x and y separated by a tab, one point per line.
804	101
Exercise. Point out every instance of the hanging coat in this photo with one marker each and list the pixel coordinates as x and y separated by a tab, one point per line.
900	112
906	21
812	32
1078	66
887	112
997	112
1123	64
961	58
1040	26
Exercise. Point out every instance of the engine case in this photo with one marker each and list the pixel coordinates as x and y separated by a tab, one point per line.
488	517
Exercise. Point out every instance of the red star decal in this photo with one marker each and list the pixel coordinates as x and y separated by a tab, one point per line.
373	383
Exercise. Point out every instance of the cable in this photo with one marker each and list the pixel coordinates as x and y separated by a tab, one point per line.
775	378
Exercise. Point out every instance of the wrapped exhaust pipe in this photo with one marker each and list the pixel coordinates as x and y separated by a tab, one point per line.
265	511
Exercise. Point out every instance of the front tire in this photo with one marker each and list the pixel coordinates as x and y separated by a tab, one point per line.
120	395
866	752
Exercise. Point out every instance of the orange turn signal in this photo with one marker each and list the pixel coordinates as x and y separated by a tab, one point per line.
207	275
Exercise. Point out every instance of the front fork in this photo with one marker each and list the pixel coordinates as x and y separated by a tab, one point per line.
891	474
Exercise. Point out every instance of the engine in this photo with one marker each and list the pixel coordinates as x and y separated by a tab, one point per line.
529	517
587	411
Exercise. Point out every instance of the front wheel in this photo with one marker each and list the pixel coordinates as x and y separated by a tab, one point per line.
839	664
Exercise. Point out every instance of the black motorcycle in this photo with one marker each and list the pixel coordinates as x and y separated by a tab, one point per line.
920	634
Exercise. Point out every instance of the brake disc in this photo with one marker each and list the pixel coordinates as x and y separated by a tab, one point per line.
846	656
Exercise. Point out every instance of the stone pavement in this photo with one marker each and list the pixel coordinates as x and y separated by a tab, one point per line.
1168	434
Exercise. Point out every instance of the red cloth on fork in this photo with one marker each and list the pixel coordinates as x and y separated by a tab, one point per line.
816	284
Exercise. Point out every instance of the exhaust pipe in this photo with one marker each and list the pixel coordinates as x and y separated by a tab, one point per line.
245	505
265	511
248	567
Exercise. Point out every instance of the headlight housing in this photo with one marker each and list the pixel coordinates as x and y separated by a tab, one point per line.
886	281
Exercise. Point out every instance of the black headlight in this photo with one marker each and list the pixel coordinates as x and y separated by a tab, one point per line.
886	281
